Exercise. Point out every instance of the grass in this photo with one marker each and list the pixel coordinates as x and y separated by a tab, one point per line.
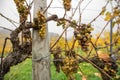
23	71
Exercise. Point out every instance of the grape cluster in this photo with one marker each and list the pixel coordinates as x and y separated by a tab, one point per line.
70	66
67	4
22	9
82	34
39	23
111	68
67	62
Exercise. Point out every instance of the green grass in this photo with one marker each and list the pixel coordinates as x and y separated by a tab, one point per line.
23	71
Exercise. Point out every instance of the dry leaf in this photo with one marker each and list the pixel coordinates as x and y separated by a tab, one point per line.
103	56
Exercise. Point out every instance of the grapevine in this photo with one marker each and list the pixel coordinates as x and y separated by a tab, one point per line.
66	58
23	14
26	33
61	23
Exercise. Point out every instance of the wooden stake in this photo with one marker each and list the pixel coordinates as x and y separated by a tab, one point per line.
40	48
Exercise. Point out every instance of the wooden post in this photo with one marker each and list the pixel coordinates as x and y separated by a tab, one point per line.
111	32
40	48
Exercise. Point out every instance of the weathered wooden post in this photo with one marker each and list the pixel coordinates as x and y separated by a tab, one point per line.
40	48
111	32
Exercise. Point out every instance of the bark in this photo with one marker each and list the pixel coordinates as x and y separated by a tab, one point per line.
19	53
16	57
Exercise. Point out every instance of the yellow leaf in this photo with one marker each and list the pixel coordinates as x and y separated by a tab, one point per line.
108	16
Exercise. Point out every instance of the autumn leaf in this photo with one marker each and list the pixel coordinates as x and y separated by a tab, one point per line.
108	16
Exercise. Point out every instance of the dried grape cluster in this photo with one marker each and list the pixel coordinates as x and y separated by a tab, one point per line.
67	4
39	23
69	67
22	9
67	62
82	34
111	68
70	64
